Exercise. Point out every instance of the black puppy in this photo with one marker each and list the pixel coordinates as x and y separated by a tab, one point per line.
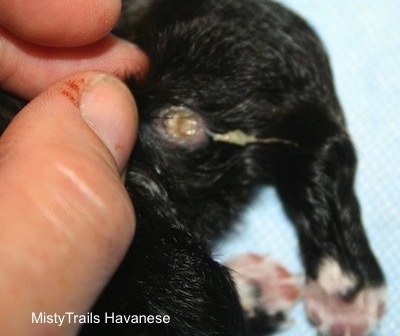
239	94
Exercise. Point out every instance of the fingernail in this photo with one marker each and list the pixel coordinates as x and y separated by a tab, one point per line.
109	109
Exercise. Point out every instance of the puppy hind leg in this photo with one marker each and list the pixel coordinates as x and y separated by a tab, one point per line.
267	292
344	294
167	274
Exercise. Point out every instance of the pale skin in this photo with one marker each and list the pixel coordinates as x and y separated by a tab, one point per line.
65	217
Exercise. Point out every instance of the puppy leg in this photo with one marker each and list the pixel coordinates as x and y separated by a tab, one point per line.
170	276
167	272
266	289
345	291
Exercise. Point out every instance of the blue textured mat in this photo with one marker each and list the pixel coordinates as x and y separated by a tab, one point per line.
363	40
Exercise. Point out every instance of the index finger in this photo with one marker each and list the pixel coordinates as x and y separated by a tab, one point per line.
59	23
27	69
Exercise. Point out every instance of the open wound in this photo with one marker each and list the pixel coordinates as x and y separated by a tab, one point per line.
184	127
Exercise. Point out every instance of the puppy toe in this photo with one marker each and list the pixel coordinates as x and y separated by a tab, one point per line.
266	289
333	313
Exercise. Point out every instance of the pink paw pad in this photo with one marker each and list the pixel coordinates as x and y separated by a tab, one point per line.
264	284
332	314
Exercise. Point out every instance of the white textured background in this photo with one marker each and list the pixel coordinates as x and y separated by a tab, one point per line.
363	40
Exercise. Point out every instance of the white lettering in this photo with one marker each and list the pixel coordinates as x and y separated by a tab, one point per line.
43	317
60	319
68	317
37	319
136	319
72	318
107	318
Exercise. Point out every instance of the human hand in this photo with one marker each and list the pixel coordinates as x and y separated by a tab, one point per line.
43	41
65	217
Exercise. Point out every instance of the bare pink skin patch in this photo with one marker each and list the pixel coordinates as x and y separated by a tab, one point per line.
332	313
264	284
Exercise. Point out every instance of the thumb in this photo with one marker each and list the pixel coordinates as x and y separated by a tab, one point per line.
65	217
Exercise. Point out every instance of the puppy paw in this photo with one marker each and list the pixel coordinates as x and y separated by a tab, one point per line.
265	288
333	313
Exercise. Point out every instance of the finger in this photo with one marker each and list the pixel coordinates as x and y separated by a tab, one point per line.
61	159
59	23
27	69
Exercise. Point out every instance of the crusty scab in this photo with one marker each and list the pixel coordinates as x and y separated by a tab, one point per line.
184	127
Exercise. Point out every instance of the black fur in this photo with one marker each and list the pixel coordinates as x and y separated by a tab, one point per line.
238	64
